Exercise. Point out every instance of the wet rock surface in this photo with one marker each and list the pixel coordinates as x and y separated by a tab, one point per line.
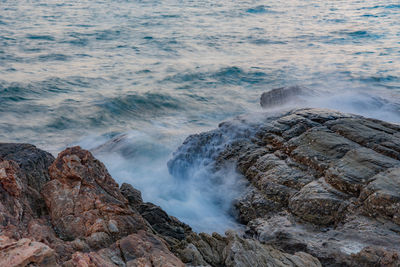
319	181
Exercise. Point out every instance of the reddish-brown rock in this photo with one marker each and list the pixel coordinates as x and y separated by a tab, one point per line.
145	249
25	252
15	211
79	219
140	250
85	202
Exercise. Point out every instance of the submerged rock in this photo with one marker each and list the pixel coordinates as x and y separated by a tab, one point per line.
319	181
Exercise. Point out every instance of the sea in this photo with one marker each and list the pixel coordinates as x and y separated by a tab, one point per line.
131	79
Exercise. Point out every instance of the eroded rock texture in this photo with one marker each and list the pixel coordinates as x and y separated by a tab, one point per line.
69	211
322	187
85	201
319	181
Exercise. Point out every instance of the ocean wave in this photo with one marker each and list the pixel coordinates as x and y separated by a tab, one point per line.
261	9
40	37
227	75
140	104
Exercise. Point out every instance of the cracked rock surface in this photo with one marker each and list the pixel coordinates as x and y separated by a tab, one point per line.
319	181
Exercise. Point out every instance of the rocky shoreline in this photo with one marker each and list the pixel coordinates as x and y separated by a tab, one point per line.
323	189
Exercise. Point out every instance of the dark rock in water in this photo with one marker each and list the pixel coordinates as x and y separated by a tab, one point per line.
280	96
166	226
320	181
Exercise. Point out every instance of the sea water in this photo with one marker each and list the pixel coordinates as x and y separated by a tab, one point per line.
130	80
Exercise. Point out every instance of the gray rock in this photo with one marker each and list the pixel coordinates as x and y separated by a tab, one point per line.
170	228
133	195
234	251
318	203
381	197
320	181
32	161
34	165
279	96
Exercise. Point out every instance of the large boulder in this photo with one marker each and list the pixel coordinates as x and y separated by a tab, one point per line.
80	216
84	201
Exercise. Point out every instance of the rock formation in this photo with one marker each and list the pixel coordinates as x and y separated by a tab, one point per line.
322	187
319	181
69	211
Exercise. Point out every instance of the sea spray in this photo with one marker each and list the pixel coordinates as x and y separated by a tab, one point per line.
383	104
195	191
191	183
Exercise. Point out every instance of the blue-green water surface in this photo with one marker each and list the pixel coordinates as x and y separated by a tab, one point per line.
153	72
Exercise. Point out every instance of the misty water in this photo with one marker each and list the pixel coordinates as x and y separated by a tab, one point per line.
130	80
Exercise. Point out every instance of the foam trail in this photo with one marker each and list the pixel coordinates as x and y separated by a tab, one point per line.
201	199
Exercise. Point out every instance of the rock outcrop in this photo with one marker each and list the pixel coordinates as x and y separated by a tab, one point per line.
322	188
69	211
319	181
85	202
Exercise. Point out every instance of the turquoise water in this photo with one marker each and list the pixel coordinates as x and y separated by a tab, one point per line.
149	73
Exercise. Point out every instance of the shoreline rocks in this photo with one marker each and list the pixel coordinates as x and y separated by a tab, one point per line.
319	181
69	211
86	220
323	188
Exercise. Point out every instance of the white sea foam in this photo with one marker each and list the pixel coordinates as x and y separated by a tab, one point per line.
201	199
